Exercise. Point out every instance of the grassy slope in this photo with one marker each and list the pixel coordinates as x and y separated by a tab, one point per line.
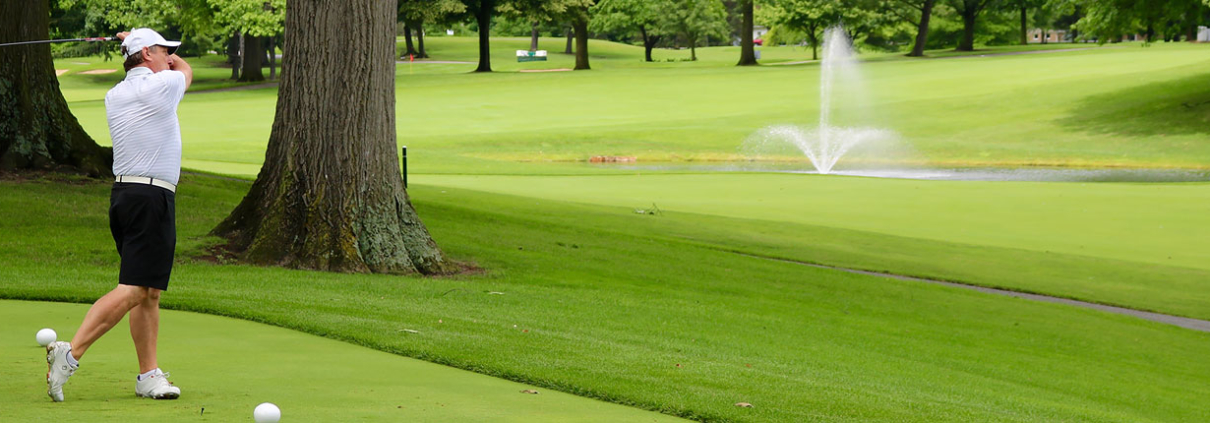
226	367
1135	245
1120	106
1102	107
625	304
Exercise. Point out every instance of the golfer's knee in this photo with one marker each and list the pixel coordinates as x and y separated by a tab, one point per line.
152	296
135	295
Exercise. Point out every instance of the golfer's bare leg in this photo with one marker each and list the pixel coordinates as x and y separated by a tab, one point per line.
104	314
145	328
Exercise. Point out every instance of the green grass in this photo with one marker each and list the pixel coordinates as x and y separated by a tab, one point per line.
1135	245
606	302
1120	106
225	367
625	303
208	73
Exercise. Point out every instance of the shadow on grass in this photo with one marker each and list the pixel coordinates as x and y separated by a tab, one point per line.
1177	107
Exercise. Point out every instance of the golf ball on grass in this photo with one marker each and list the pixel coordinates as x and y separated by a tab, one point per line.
266	413
46	336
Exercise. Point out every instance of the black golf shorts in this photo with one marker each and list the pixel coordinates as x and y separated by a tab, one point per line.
142	219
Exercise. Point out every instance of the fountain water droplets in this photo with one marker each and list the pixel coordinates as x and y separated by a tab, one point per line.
825	145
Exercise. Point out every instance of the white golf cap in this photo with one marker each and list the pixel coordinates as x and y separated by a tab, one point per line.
145	37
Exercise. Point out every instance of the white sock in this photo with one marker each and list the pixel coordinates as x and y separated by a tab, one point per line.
149	373
71	360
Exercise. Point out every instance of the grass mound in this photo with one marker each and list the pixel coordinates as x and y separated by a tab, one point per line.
609	308
225	367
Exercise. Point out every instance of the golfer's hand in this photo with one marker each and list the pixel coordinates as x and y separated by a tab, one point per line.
123	35
178	64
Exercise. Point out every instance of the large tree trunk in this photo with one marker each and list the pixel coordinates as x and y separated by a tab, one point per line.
422	53
407	36
233	51
484	17
922	29
533	36
37	130
254	57
330	196
649	42
581	27
967	43
1192	20
814	39
571	33
1024	26
747	49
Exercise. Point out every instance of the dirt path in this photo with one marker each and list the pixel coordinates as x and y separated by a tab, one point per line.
963	56
239	88
1184	322
1016	53
436	62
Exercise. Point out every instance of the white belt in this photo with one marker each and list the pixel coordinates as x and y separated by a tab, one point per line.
145	180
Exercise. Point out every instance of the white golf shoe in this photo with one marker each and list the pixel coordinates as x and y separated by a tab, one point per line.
157	386
58	369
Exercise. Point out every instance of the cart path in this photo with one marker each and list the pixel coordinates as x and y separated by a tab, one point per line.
963	56
1184	322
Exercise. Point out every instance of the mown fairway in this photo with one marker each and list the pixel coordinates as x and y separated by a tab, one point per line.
659	311
1112	106
602	302
225	367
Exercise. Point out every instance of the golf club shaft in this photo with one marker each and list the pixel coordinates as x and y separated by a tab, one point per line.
66	40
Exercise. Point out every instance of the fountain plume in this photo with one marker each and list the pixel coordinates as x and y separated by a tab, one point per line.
825	145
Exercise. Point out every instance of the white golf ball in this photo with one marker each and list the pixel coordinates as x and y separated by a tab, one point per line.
46	336
266	413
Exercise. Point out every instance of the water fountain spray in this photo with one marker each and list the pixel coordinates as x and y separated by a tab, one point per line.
826	144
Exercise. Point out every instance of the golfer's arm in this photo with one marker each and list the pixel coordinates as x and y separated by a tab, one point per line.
180	65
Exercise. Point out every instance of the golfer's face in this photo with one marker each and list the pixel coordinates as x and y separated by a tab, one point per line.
157	58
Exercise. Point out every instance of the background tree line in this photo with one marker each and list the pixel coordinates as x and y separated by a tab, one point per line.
248	30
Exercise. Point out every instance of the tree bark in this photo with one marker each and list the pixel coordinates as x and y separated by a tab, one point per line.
484	17
693	49
272	59
533	36
329	196
37	129
407	36
422	53
1024	29
254	56
233	52
581	27
570	36
1193	19
814	39
967	43
649	41
922	29
747	54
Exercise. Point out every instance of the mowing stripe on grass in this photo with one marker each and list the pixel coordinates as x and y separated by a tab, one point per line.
1184	322
226	367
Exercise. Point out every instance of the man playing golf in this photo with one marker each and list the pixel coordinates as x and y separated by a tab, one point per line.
142	213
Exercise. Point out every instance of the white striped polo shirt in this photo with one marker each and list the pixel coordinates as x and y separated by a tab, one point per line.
143	124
